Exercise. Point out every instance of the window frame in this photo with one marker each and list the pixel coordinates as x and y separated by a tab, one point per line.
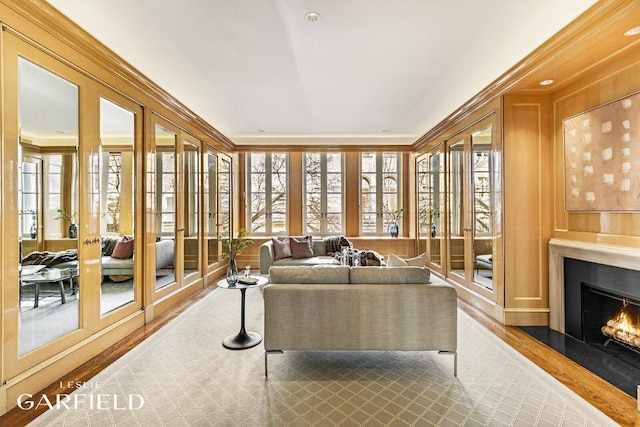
383	221
324	195
268	193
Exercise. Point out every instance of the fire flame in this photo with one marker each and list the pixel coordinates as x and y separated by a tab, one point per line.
622	329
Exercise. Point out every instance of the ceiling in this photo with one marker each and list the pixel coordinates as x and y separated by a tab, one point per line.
367	72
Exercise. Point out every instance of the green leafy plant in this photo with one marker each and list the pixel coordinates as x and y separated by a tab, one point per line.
395	214
234	247
71	217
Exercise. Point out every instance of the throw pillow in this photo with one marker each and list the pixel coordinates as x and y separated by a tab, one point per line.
124	249
108	244
281	249
396	261
300	248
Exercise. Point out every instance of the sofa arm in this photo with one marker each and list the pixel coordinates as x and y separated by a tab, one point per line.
267	256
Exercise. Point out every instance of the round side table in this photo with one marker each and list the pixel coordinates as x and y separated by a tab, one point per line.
242	339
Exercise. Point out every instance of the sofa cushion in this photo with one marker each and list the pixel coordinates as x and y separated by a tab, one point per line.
319	247
317	274
310	262
396	261
110	263
124	249
281	249
389	275
300	248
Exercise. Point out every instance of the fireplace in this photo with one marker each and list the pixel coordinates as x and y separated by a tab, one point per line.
602	310
590	284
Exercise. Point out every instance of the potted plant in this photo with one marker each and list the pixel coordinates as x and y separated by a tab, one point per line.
71	217
233	248
395	216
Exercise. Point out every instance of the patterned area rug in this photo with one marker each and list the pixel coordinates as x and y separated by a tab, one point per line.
182	376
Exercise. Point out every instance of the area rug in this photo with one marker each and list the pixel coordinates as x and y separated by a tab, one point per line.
182	376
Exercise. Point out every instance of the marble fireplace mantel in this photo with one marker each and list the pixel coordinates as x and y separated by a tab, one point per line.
616	256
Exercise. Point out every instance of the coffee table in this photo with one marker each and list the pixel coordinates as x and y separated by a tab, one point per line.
242	339
49	275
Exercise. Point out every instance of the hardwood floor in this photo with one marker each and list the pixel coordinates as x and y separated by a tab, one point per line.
613	402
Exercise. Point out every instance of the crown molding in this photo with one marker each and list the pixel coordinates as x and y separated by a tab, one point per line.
56	29
573	36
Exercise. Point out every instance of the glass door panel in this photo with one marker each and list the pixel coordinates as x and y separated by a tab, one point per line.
166	177
423	197
456	208
482	217
49	285
117	205
224	194
190	225
210	198
436	227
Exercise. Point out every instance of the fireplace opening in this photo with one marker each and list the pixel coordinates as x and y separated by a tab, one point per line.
611	323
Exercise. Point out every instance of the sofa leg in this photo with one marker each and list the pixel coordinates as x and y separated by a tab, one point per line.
266	353
455	360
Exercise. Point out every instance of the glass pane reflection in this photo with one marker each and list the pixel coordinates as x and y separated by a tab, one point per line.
49	285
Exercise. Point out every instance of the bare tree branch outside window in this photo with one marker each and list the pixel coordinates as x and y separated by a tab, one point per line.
268	178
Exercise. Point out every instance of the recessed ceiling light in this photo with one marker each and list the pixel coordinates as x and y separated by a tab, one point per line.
632	31
547	82
312	16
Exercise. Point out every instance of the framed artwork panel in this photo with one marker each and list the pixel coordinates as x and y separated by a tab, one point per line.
602	157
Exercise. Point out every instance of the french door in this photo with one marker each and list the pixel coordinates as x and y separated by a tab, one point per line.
472	205
174	204
430	189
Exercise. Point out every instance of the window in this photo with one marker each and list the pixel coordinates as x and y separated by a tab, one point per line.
224	192
379	190
267	183
482	190
323	193
113	161
29	188
167	177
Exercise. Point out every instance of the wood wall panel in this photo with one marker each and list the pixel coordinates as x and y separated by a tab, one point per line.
604	86
526	205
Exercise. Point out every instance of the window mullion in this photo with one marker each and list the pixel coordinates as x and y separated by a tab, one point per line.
379	194
268	165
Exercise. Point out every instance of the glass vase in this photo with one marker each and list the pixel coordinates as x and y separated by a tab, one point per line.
393	229
232	272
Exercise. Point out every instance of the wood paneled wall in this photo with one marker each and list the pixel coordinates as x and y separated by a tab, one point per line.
612	82
526	214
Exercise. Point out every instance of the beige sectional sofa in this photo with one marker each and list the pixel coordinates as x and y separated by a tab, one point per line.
358	308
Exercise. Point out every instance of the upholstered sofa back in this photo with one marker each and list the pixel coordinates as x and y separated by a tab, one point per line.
317	274
359	308
322	274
